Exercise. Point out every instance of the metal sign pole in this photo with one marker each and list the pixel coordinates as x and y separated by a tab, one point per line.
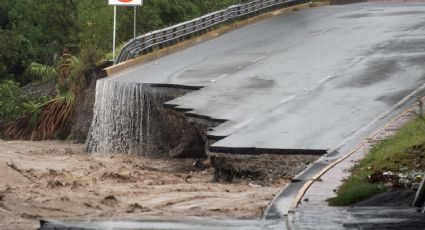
116	3
134	26
114	34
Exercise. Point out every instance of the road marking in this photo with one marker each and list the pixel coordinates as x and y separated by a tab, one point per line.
287	99
220	77
258	59
326	79
380	117
278	105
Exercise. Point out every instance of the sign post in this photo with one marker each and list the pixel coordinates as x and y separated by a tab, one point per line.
134	23
116	3
114	33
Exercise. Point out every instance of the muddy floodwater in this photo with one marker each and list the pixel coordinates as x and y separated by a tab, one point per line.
59	180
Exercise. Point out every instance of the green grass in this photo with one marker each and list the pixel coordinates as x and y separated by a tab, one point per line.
404	151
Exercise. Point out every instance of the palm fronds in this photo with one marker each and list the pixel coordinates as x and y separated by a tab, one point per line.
43	72
42	123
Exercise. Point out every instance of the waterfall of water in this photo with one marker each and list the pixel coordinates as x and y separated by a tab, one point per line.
131	118
121	118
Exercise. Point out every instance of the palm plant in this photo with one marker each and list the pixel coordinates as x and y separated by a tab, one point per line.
44	120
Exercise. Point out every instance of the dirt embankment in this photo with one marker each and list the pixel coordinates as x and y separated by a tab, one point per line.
58	180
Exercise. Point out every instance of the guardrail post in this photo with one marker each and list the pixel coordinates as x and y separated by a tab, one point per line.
420	195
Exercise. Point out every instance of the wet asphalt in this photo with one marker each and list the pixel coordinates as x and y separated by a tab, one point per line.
306	80
316	79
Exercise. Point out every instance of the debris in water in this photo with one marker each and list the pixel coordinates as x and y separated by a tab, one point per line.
110	201
134	207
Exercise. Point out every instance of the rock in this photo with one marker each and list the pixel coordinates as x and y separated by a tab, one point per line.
186	178
148	182
199	165
415	186
404	181
388	173
110	200
254	185
137	207
388	185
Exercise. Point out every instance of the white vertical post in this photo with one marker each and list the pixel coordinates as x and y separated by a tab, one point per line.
134	26
114	34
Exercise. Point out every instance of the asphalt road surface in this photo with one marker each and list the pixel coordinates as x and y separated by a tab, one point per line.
308	80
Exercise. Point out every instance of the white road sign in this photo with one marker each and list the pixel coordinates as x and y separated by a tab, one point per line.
126	2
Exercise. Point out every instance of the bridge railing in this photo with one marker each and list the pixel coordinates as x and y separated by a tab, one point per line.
145	42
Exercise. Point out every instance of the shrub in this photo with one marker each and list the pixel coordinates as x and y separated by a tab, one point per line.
14	101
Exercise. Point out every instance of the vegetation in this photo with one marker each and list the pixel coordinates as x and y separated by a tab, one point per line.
43	121
33	33
402	152
37	30
14	101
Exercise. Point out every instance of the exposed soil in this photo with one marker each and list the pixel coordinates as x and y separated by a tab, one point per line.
58	180
39	89
265	168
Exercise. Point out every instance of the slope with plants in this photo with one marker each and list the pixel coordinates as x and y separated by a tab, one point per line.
387	165
33	34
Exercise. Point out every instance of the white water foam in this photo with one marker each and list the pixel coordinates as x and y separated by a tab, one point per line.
121	118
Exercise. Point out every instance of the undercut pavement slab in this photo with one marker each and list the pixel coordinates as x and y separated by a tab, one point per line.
306	80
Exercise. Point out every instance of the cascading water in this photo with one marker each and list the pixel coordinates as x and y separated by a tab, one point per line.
131	117
121	118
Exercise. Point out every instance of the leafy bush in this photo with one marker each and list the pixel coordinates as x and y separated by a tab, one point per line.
14	102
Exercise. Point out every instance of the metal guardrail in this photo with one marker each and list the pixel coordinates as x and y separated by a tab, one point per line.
156	38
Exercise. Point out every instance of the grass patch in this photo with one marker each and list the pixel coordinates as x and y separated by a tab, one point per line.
403	152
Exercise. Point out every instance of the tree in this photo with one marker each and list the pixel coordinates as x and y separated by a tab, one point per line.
16	53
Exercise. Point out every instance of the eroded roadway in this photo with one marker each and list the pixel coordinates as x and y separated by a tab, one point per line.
316	79
310	79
